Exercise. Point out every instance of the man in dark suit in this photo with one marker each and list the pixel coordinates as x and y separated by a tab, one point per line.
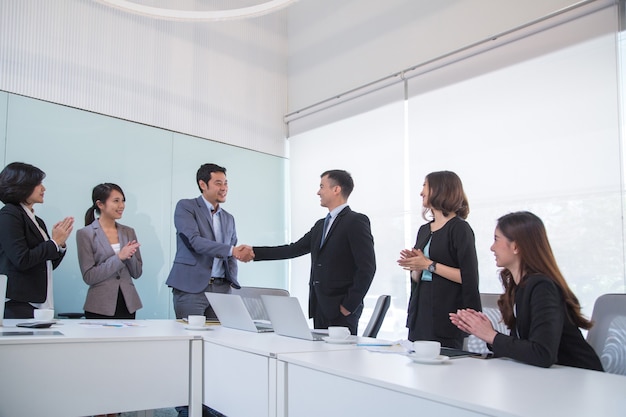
342	256
205	246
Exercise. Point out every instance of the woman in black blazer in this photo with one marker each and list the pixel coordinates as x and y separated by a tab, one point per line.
537	305
28	254
443	263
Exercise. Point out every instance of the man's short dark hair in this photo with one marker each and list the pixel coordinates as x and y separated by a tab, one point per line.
341	178
205	171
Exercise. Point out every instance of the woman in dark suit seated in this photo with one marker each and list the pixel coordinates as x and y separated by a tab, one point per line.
537	305
109	257
28	254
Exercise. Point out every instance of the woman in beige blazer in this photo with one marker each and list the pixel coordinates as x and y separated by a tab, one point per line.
109	257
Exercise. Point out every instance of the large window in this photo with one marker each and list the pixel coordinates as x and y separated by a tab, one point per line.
532	125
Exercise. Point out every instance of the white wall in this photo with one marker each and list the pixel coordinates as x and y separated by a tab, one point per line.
224	81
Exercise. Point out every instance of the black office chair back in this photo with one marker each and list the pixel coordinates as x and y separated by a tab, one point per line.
373	326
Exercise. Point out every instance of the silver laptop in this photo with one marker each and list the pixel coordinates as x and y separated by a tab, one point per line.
288	319
232	312
3	294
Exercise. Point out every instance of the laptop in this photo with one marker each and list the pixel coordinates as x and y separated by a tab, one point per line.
3	294
232	313
288	319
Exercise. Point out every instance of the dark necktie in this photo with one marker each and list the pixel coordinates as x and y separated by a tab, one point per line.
326	221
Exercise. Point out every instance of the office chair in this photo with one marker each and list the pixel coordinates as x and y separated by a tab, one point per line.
252	299
376	321
489	303
608	334
3	292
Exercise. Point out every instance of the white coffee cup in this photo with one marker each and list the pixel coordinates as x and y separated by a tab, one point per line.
196	321
426	349
337	332
43	314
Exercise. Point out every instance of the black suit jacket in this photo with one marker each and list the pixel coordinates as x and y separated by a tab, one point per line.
342	269
543	333
23	255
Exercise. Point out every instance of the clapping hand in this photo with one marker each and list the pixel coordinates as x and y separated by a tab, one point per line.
413	260
243	253
474	322
61	231
129	250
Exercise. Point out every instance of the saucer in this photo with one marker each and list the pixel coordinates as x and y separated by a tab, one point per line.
197	327
350	340
435	360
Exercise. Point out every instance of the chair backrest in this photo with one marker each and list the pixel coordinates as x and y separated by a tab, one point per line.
252	299
489	303
489	300
380	309
3	292
608	334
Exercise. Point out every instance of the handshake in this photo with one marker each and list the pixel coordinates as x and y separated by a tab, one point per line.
243	253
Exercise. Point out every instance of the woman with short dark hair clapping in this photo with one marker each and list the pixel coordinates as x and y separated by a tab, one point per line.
28	253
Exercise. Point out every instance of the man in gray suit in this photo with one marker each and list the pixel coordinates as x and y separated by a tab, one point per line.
206	255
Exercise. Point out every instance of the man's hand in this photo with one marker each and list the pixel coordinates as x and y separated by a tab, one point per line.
344	310
243	253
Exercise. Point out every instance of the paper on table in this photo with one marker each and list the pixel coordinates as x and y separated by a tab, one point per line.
401	347
93	324
208	322
405	347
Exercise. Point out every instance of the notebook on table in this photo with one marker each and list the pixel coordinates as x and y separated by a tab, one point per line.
288	319
232	313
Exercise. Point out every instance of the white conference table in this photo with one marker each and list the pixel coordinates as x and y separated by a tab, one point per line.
240	369
95	369
363	383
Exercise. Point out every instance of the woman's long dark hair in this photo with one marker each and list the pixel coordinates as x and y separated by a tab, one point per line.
536	257
446	194
101	193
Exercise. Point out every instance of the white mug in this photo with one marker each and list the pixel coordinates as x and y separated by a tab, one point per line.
196	320
426	349
337	332
43	314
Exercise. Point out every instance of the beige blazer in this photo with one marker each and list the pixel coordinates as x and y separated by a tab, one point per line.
105	272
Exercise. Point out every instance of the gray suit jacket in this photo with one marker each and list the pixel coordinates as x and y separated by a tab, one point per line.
196	247
105	272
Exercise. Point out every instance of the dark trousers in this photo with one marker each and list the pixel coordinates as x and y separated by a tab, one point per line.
18	310
351	321
186	303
